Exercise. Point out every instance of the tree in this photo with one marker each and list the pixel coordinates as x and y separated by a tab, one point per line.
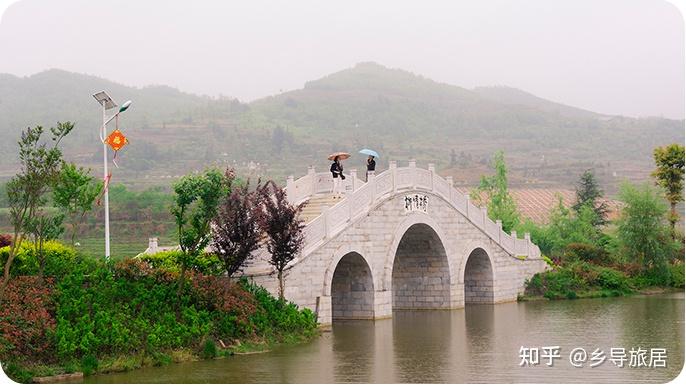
279	221
565	227
26	191
641	230
44	227
195	205
669	174
500	204
235	231
588	193
74	193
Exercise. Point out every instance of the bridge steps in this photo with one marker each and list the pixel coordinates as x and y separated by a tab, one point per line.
315	206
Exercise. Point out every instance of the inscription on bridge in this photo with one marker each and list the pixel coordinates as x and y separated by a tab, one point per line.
416	203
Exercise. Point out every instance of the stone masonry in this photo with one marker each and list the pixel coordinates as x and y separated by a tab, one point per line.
368	254
352	290
421	277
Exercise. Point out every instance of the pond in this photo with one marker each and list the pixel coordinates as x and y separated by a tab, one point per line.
480	343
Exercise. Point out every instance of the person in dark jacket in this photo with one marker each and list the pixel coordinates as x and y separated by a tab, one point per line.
337	174
371	166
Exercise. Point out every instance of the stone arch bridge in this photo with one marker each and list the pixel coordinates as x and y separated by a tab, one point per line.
406	239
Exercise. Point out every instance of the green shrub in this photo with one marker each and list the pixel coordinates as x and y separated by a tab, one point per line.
161	359
654	276
588	253
612	279
128	306
207	263
209	349
535	284
59	259
676	272
123	308
277	316
118	309
89	364
16	372
576	277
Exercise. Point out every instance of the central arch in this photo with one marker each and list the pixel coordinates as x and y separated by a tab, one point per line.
420	277
352	289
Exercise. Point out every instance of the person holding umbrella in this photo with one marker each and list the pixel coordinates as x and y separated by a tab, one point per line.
371	163
336	170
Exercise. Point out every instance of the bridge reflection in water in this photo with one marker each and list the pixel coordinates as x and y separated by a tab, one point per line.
479	343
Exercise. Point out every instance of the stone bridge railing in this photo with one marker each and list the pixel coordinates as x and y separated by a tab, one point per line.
361	197
314	183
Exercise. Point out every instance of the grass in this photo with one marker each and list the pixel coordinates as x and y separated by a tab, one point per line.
128	362
120	246
122	242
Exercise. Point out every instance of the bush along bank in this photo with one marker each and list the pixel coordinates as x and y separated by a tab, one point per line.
586	271
89	316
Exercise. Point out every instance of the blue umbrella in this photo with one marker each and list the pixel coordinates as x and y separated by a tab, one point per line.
370	152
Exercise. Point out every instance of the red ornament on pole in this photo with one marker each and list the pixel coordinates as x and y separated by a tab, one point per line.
116	140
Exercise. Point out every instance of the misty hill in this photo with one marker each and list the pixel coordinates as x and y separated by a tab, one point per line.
410	116
390	101
400	114
514	96
57	95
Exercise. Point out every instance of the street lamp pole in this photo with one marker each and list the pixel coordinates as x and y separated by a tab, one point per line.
106	179
107	103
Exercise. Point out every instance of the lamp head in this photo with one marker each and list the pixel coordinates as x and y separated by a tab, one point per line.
124	106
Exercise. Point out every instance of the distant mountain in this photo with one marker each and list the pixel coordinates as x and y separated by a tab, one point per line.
514	96
398	113
57	95
392	101
407	115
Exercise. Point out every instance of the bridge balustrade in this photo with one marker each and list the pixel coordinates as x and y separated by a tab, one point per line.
360	198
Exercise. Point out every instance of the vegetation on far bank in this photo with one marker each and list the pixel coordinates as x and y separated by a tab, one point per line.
589	255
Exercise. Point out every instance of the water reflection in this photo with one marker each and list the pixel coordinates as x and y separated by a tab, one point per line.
477	344
353	351
422	355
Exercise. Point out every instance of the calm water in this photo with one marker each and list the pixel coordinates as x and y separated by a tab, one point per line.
472	345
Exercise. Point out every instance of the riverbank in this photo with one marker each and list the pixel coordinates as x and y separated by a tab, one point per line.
41	373
84	315
600	293
576	278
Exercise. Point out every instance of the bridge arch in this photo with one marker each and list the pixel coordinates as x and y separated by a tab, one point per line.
417	269
349	281
478	275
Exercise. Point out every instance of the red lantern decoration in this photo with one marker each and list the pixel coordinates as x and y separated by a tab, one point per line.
116	140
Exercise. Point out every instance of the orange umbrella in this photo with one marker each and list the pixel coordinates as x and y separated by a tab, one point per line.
341	156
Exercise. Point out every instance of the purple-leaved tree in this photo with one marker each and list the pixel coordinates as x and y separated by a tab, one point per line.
279	221
235	229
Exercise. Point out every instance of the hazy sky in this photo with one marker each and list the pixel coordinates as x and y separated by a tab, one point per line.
616	57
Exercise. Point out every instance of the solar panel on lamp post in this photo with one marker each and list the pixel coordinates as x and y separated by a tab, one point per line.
107	103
